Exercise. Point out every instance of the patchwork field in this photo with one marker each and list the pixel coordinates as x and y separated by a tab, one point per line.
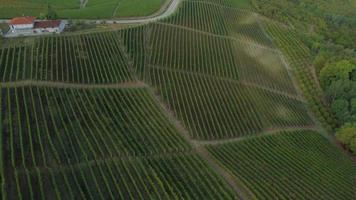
80	9
213	102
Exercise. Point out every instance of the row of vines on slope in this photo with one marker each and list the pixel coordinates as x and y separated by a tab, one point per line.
98	144
91	58
298	56
289	165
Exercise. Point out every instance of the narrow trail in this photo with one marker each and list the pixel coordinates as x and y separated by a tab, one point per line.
127	85
274	131
295	97
219	36
116	8
88	163
233	81
83	3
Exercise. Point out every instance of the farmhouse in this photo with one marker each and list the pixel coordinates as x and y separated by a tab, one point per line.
31	26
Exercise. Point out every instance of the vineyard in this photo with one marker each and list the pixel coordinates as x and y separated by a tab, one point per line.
55	144
94	58
213	102
289	165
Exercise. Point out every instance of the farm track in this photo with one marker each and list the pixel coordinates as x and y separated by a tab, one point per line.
235	82
99	161
273	131
218	36
126	85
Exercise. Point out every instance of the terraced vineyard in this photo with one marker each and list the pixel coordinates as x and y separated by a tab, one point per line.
189	107
94	58
289	165
299	58
58	148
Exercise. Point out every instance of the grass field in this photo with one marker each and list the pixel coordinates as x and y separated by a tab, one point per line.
93	9
213	102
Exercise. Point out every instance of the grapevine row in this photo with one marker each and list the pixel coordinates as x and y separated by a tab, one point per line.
289	165
90	58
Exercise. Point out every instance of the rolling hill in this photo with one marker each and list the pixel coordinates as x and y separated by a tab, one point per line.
213	102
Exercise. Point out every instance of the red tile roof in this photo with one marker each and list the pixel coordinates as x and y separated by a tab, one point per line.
22	20
48	24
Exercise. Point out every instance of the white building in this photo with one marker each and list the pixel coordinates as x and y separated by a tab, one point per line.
22	23
29	26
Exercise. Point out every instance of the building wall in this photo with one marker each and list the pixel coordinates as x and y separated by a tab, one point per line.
22	26
44	30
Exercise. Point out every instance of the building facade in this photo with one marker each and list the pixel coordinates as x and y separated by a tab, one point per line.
29	26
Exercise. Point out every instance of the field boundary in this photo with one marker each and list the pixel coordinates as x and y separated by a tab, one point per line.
219	36
125	85
233	81
273	131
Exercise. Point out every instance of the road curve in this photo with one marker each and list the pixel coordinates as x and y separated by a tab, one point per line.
171	8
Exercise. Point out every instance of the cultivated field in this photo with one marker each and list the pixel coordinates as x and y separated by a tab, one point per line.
97	144
289	165
214	102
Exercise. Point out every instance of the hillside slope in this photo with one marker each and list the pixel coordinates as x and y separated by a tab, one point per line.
209	103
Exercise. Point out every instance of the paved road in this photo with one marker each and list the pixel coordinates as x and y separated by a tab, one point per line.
170	9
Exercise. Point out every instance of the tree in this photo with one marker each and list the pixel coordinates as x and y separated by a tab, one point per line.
353	106
339	89
347	136
340	108
51	13
341	70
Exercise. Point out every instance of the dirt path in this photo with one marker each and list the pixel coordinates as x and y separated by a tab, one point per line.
83	3
295	97
128	85
274	131
219	36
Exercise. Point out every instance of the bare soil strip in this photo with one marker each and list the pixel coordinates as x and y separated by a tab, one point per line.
273	131
63	167
235	82
127	85
219	36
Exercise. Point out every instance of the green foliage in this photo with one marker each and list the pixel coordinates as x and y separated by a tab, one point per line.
340	89
341	109
341	70
347	136
353	106
51	13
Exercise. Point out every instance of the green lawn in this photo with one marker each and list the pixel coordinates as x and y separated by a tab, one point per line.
71	8
130	8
